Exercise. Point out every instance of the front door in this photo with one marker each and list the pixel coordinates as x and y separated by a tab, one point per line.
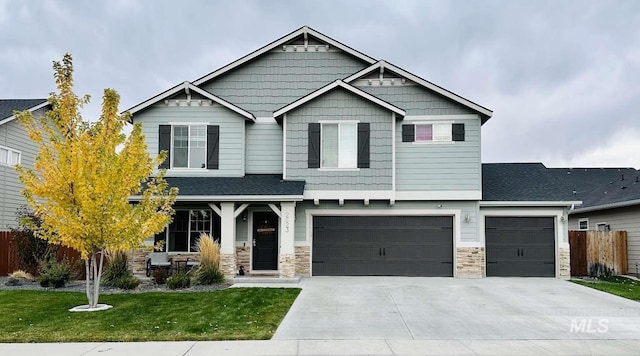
265	241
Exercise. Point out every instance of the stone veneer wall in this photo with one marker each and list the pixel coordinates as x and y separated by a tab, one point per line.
243	258
137	259
228	265
287	265
303	260
564	259
470	262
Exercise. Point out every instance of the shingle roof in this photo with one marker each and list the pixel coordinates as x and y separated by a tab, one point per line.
600	187
7	106
226	186
521	182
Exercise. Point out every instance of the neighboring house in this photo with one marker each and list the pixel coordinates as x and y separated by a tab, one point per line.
307	157
611	201
15	147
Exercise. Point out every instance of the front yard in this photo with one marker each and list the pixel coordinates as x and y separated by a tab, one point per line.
229	314
620	286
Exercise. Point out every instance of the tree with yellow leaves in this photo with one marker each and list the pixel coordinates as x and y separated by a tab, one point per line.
84	175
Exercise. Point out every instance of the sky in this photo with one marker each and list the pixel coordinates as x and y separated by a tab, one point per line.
562	77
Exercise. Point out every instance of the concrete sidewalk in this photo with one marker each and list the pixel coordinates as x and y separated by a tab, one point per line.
332	347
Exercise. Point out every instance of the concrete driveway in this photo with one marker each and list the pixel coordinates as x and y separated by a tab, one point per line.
457	309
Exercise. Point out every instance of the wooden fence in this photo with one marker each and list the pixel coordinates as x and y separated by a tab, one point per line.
9	260
598	253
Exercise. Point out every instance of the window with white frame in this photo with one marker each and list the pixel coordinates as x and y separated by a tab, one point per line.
603	227
583	224
9	157
339	145
189	146
184	231
440	132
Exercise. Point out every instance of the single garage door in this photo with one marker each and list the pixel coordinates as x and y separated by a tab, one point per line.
520	246
382	246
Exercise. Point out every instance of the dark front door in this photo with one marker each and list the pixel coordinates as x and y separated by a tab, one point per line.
382	246
265	241
520	246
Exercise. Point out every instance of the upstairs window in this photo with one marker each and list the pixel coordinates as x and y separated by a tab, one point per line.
9	156
190	146
339	145
433	132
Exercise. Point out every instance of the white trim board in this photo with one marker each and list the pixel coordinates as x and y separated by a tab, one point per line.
13	117
343	85
528	203
231	198
425	83
304	30
186	86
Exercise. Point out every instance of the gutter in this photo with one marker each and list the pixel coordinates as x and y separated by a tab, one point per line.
606	206
530	203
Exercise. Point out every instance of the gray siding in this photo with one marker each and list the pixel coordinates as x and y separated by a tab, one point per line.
439	166
278	78
340	105
416	100
12	135
623	219
264	148
232	133
468	230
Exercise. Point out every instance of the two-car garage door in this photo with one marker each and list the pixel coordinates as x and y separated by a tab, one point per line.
382	245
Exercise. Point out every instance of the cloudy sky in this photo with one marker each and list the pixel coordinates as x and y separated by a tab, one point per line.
562	77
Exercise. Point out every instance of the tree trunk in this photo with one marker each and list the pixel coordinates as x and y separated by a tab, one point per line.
93	270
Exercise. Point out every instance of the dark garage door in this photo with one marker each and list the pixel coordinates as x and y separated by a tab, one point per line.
382	246
520	246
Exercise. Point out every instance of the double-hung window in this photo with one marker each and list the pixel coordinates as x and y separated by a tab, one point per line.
190	146
339	145
9	157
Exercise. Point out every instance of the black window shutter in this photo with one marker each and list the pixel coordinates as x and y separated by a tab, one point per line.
457	132
363	144
164	144
213	146
408	133
314	145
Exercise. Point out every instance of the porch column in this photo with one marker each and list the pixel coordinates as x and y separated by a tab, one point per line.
227	239
287	257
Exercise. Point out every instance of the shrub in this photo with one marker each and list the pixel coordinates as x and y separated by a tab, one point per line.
116	269
54	273
208	272
31	251
179	280
20	274
160	275
127	282
206	276
13	282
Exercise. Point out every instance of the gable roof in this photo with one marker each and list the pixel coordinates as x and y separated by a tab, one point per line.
338	84
484	112
8	106
186	86
302	31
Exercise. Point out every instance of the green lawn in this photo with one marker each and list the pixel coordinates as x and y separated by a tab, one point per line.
229	314
623	287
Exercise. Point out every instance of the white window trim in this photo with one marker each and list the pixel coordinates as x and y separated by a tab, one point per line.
580	223
9	152
602	223
172	155
338	122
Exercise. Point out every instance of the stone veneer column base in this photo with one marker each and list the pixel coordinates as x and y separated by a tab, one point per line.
287	265
470	262
228	265
564	259
137	259
243	258
303	260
